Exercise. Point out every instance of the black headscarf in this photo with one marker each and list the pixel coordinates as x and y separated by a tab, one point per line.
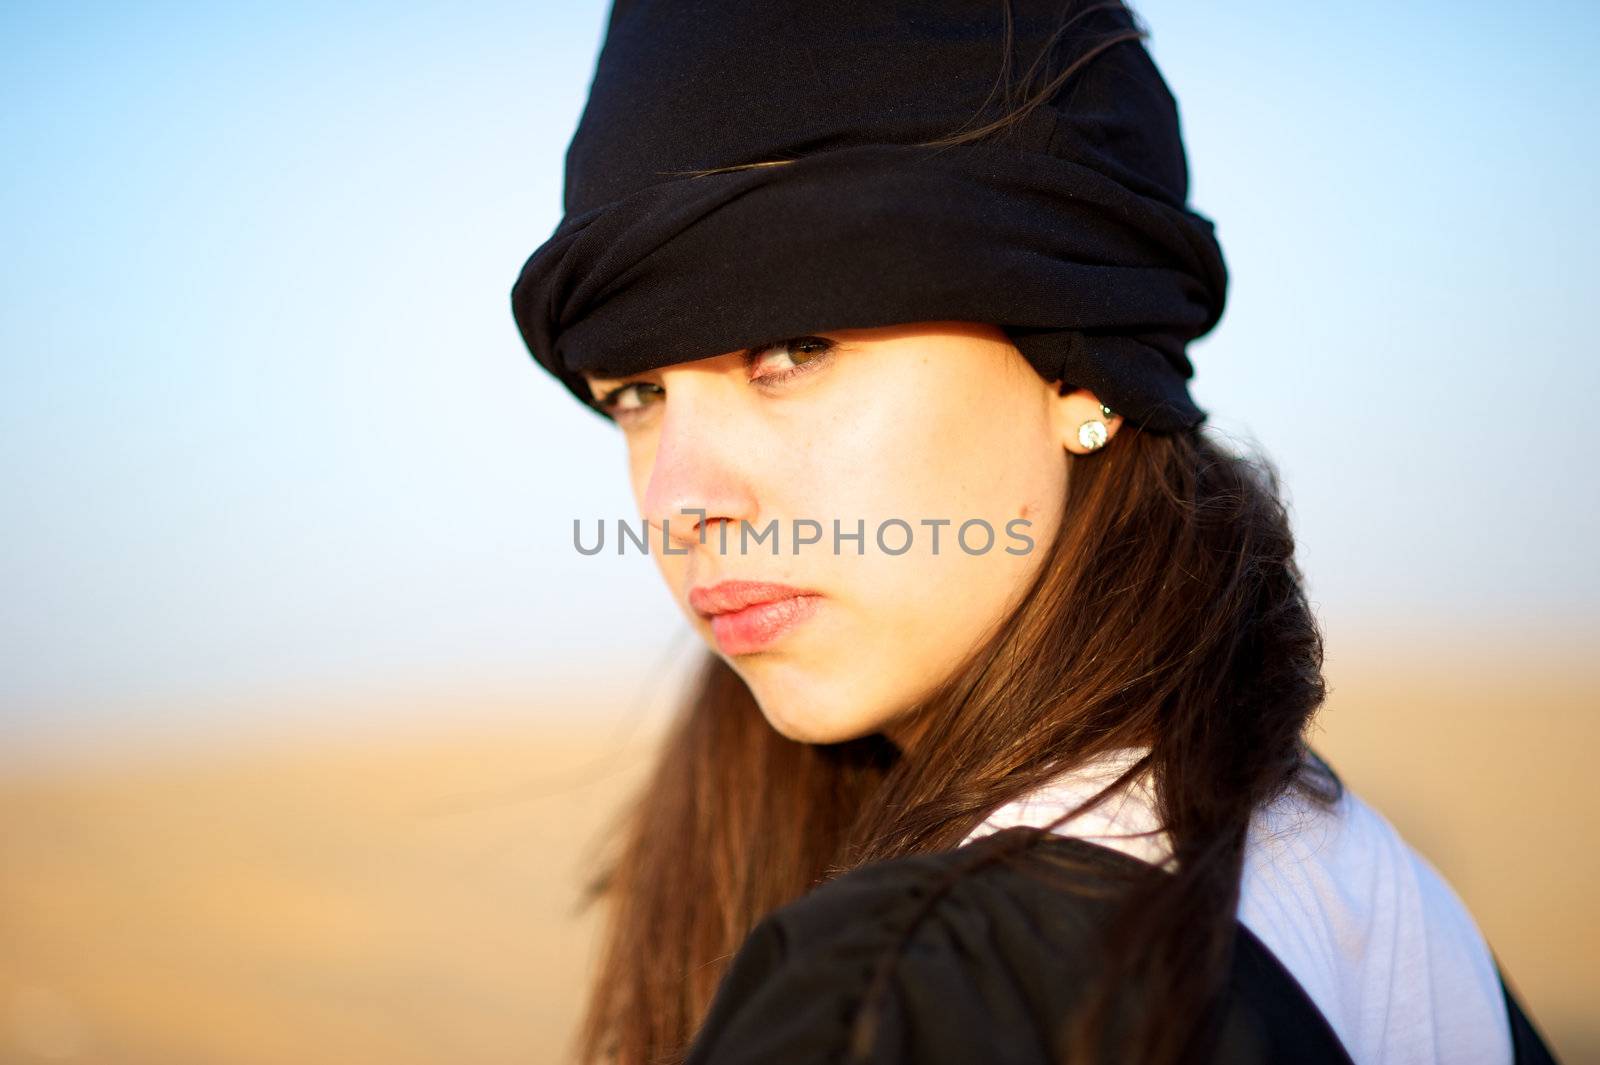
1070	229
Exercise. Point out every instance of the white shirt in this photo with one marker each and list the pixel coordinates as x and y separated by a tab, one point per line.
1370	929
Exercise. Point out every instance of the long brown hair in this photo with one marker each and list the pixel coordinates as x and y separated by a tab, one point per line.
1168	614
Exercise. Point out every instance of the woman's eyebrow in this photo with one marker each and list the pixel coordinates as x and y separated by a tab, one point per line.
602	386
600	382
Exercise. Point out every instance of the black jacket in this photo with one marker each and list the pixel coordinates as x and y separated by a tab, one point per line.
983	978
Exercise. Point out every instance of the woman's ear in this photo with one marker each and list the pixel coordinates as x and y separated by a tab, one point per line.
1081	421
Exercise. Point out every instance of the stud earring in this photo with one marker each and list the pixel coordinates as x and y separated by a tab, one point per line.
1092	434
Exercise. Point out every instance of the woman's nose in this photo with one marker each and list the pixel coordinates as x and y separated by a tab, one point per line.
699	477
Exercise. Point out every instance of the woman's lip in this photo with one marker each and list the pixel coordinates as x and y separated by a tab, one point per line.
725	597
761	625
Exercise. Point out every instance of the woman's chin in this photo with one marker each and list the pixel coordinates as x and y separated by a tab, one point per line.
805	725
809	705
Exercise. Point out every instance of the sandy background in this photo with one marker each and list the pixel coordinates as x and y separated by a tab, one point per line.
408	897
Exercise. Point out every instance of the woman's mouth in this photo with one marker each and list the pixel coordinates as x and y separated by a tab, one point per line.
757	627
751	616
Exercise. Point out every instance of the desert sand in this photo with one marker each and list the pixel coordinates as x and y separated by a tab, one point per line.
409	896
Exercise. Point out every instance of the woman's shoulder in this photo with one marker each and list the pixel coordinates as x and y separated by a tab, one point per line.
964	960
1375	931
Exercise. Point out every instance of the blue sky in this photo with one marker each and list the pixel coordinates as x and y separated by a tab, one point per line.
270	431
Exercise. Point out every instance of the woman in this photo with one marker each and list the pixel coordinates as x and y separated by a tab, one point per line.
998	750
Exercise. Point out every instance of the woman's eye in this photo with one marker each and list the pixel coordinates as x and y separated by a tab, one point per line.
629	397
788	357
767	364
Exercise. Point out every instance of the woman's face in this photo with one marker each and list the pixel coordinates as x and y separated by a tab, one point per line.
918	437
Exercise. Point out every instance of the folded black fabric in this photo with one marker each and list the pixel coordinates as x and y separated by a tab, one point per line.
987	974
1069	229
